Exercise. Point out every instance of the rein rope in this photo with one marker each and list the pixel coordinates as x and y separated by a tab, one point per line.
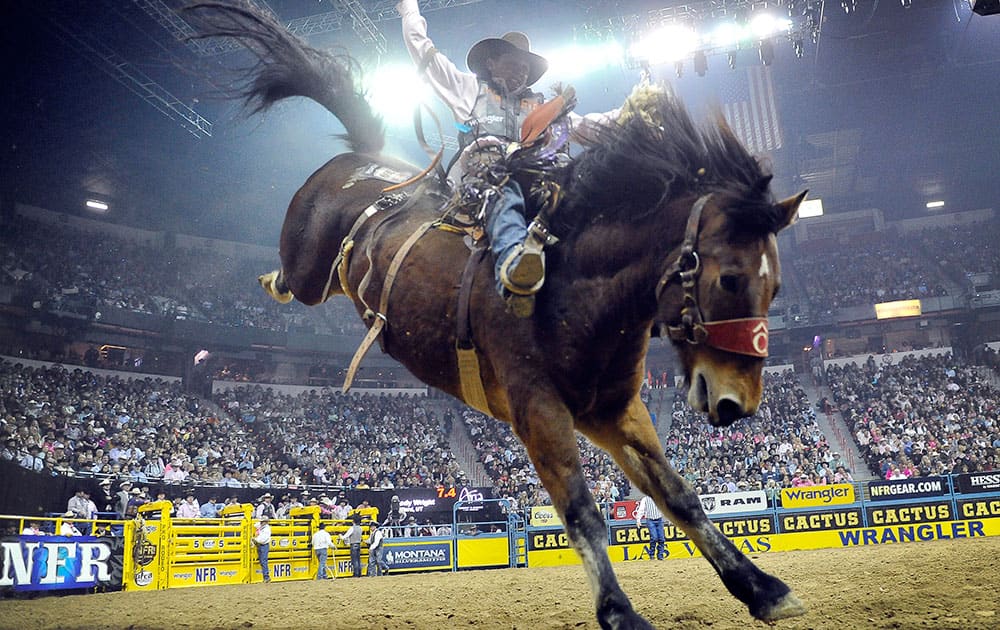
747	335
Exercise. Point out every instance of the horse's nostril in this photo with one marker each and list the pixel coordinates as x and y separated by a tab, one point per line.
729	411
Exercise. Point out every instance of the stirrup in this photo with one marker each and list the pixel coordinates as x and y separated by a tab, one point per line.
523	272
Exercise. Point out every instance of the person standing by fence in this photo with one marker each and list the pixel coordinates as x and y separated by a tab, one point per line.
376	551
352	537
321	543
654	523
262	539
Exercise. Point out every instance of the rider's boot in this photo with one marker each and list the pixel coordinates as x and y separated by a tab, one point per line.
523	274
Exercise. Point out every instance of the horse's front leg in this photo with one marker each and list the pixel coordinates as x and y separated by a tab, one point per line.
632	441
546	429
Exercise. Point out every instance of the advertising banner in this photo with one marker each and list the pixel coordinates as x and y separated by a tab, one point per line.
912	488
819	521
418	556
817	496
43	563
624	510
733	502
979	508
915	513
977	482
544	516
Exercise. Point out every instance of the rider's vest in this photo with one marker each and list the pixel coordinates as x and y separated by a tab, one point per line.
496	115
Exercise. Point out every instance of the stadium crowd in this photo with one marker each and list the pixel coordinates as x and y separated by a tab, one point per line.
862	271
923	416
354	440
514	477
108	271
68	421
781	446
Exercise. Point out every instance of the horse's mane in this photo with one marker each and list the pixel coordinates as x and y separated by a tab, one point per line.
655	153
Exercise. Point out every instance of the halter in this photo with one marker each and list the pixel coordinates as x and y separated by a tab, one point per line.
747	335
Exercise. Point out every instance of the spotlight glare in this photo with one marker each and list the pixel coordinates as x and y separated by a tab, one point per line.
670	43
578	59
727	34
393	89
934	204
97	206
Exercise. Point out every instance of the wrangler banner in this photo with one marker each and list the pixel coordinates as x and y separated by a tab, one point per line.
817	496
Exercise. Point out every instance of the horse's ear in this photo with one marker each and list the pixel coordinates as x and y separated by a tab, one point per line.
790	209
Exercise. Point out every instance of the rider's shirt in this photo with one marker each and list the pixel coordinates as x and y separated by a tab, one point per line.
469	98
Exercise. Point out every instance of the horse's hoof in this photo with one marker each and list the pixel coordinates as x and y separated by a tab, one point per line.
788	606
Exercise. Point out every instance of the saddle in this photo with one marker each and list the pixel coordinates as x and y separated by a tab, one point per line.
532	160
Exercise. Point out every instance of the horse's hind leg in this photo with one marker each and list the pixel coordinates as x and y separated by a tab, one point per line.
274	285
632	441
547	432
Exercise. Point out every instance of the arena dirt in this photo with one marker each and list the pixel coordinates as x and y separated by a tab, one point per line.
947	584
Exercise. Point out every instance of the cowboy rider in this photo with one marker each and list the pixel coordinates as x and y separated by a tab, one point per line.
490	103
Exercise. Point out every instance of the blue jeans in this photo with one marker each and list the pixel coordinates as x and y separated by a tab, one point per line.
321	559
262	557
656	538
356	560
376	561
505	226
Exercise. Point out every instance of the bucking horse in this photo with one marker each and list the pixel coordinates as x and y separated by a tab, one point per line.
665	227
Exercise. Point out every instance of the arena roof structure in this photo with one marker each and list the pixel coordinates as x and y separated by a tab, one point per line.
874	104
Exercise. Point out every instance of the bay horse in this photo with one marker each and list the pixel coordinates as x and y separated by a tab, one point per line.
665	228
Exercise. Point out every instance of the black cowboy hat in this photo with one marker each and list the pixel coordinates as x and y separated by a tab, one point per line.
513	42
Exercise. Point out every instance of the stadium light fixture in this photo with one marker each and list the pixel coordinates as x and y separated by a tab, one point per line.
933	205
670	43
700	63
727	34
95	205
767	52
393	89
811	208
765	25
578	59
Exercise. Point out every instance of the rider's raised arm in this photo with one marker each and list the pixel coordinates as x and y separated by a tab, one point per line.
457	89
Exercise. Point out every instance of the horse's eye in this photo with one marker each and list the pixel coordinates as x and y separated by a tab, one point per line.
730	283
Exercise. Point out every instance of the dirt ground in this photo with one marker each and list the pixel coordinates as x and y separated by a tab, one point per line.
945	584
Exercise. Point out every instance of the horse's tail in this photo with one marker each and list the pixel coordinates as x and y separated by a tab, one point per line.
286	66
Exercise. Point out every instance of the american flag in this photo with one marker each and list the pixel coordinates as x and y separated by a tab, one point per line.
750	109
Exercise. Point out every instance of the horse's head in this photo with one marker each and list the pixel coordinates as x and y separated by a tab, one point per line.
726	274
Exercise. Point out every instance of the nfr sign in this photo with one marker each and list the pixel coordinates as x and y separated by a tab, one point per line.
281	569
205	574
35	563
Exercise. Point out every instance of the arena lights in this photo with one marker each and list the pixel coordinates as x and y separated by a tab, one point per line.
670	43
811	208
933	205
675	43
573	61
96	206
392	90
